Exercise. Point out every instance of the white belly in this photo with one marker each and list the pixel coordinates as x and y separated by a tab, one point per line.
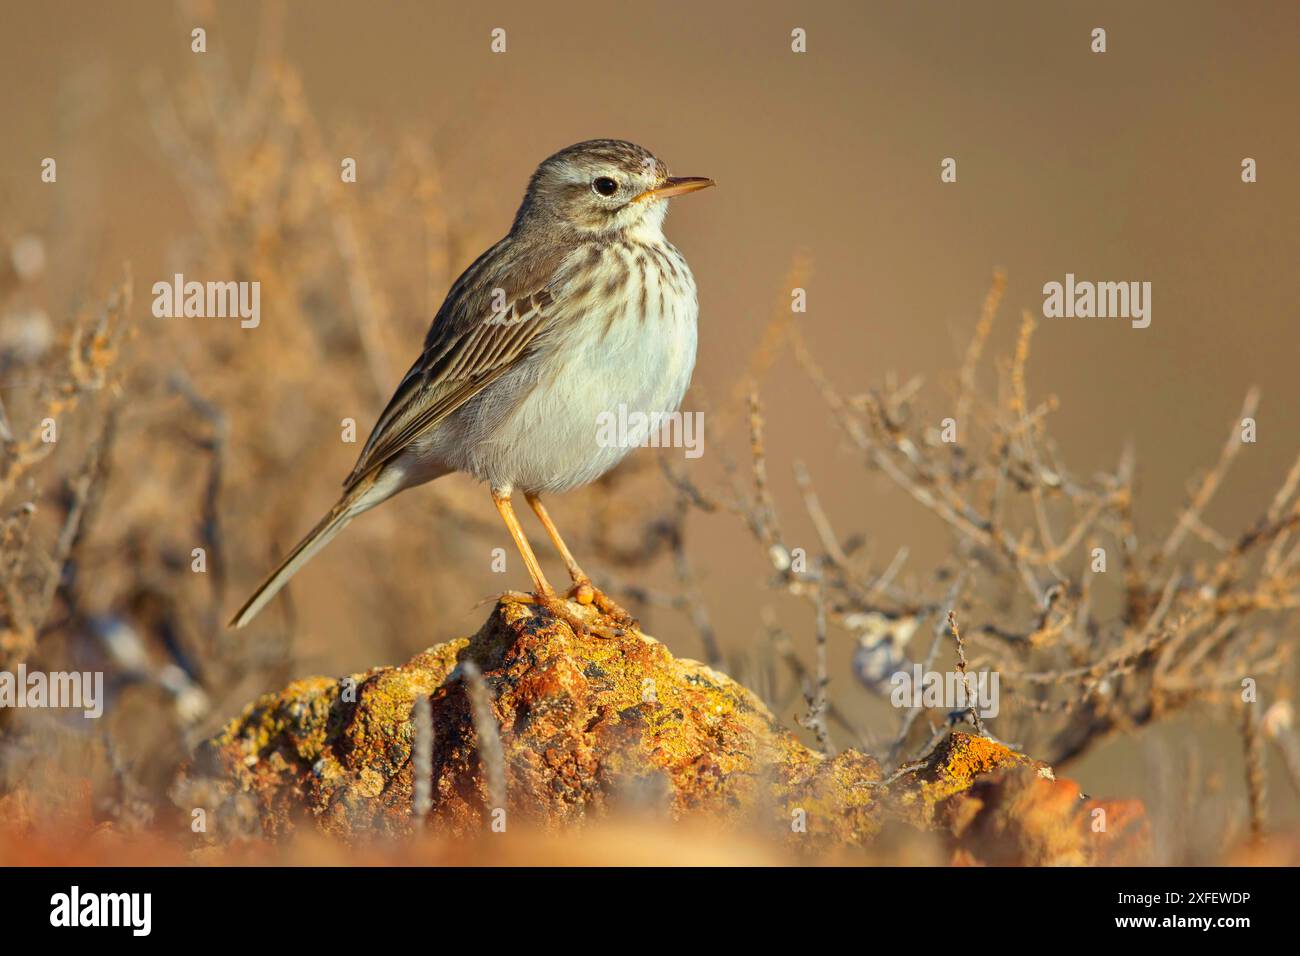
547	428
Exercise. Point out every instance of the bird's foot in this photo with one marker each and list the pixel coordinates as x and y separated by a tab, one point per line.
558	608
585	593
513	597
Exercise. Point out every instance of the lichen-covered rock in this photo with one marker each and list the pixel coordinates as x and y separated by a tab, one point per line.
922	794
587	725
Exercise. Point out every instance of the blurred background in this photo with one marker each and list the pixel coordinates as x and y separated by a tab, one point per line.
225	165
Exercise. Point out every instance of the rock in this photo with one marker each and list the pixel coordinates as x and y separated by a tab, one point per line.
1020	817
588	727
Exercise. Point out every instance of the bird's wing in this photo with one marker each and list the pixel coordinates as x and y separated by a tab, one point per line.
490	317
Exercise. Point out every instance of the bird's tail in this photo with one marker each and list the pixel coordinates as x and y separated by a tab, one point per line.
358	499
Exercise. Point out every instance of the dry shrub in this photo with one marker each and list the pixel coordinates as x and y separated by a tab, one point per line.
1196	618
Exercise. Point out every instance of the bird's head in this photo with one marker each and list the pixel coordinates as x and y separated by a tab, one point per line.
604	186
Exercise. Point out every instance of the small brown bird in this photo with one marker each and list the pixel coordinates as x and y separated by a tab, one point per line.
583	308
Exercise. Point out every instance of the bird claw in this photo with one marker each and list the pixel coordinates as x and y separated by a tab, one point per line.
617	613
512	597
558	608
585	593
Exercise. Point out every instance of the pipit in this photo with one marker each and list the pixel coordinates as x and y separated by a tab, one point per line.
584	307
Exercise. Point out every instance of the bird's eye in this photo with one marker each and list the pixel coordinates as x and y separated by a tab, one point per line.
604	185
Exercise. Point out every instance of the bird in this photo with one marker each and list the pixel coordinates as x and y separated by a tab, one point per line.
582	308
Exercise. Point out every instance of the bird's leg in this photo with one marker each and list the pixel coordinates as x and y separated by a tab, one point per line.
541	587
543	594
584	592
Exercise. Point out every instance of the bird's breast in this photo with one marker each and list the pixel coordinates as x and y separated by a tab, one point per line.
621	345
635	331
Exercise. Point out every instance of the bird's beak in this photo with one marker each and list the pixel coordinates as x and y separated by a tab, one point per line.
675	186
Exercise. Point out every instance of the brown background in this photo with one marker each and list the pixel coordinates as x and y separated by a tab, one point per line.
1122	166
